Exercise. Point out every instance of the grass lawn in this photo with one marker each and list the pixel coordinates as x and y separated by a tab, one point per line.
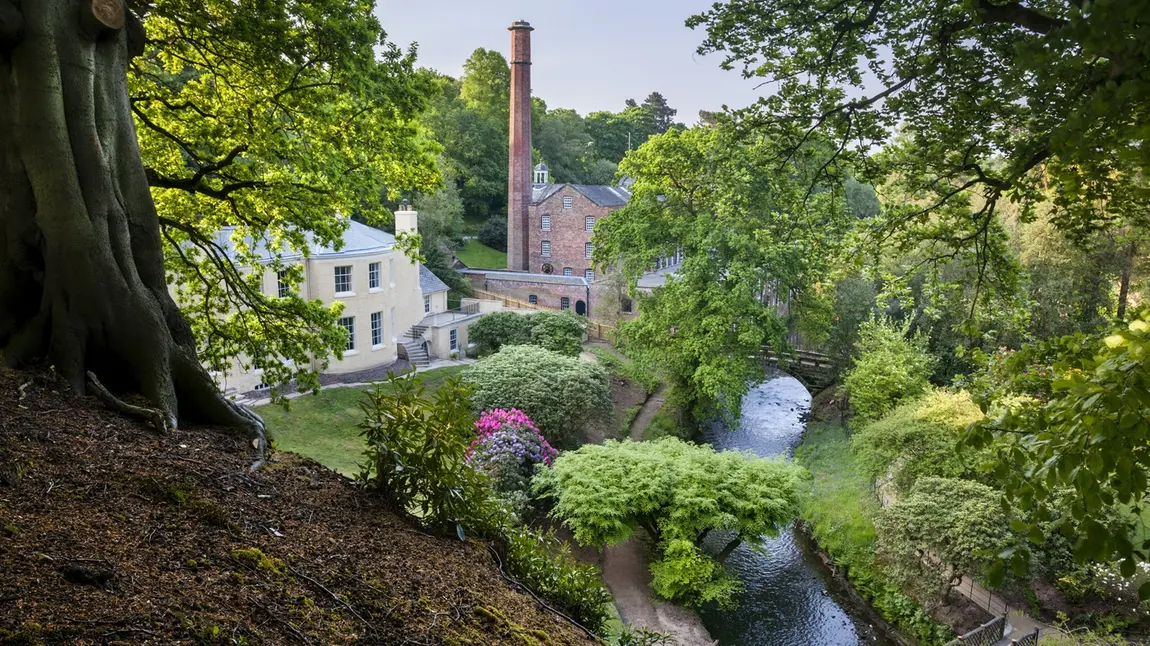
325	427
477	255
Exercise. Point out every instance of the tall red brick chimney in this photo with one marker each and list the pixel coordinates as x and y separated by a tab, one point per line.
519	168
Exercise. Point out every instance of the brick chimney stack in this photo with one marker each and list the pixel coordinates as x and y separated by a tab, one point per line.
519	170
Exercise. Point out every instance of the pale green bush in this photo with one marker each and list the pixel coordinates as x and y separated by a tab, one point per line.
888	368
561	394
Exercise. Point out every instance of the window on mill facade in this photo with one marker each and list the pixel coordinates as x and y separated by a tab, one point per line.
545	248
564	303
545	223
568	202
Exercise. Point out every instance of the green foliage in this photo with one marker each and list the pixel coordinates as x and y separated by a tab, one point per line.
1087	435
417	449
957	527
498	329
560	332
918	439
642	637
676	492
986	102
562	394
545	565
625	368
441	229
745	228
493	233
840	509
887	368
272	118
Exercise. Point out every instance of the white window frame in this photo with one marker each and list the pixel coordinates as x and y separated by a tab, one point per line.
565	303
350	285
589	274
545	248
568	271
373	278
589	223
348	323
545	222
427	304
376	330
587	249
453	339
283	288
568	202
533	299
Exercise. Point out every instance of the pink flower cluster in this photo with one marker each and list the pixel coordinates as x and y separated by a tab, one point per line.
513	434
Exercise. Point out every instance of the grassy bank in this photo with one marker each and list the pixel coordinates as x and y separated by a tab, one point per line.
477	255
840	511
325	427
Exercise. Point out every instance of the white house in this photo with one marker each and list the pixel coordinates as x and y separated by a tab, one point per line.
393	307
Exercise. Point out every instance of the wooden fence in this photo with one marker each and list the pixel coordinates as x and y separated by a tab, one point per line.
595	329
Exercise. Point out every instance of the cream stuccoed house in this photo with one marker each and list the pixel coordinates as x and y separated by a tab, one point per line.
394	308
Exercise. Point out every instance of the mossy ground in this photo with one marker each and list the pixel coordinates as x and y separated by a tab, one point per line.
201	551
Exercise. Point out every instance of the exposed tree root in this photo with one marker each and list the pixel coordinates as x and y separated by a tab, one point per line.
156	417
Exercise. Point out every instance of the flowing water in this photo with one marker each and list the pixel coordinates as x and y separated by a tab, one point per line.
789	597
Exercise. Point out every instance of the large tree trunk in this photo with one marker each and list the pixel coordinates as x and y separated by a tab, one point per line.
82	280
1124	281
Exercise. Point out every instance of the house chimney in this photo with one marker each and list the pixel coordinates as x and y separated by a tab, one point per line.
519	155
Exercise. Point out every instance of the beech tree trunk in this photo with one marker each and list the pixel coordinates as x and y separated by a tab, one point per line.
82	282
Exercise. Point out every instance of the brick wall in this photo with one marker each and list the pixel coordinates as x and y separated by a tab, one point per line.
547	295
568	234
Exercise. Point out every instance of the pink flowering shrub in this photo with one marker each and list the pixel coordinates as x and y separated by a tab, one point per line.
507	449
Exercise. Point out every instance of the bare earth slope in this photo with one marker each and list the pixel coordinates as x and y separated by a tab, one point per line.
110	534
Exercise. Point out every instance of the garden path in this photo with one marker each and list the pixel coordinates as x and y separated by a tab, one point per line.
650	408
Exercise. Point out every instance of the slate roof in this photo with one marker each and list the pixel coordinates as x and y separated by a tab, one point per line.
359	239
429	283
608	196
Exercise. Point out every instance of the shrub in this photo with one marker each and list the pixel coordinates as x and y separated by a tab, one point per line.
677	492
918	438
499	329
888	368
416	452
544	564
493	232
958	523
560	332
507	450
560	393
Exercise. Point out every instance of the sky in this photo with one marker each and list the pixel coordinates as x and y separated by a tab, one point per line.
588	55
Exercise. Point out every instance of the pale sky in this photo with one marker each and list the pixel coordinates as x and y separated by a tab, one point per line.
588	55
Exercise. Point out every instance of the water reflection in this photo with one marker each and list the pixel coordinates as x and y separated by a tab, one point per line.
788	599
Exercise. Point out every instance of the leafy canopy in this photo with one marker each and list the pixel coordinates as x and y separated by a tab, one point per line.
677	492
562	394
1072	413
281	120
749	235
992	100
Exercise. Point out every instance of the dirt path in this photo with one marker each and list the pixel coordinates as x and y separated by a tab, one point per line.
652	406
626	574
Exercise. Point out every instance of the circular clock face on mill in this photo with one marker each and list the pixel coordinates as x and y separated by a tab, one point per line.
548	269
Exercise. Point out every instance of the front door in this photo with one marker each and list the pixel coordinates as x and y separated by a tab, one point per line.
580	308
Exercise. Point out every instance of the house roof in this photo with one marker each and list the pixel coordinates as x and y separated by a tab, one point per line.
609	196
429	283
359	239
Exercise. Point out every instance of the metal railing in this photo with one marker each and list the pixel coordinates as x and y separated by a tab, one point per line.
987	634
1029	639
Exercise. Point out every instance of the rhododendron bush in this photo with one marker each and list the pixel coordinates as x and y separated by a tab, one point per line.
507	449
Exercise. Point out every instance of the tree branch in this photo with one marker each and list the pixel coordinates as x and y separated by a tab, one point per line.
1019	16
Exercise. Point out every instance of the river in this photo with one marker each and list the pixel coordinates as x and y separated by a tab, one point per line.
790	598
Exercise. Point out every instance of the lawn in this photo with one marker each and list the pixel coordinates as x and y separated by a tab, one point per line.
477	255
325	427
